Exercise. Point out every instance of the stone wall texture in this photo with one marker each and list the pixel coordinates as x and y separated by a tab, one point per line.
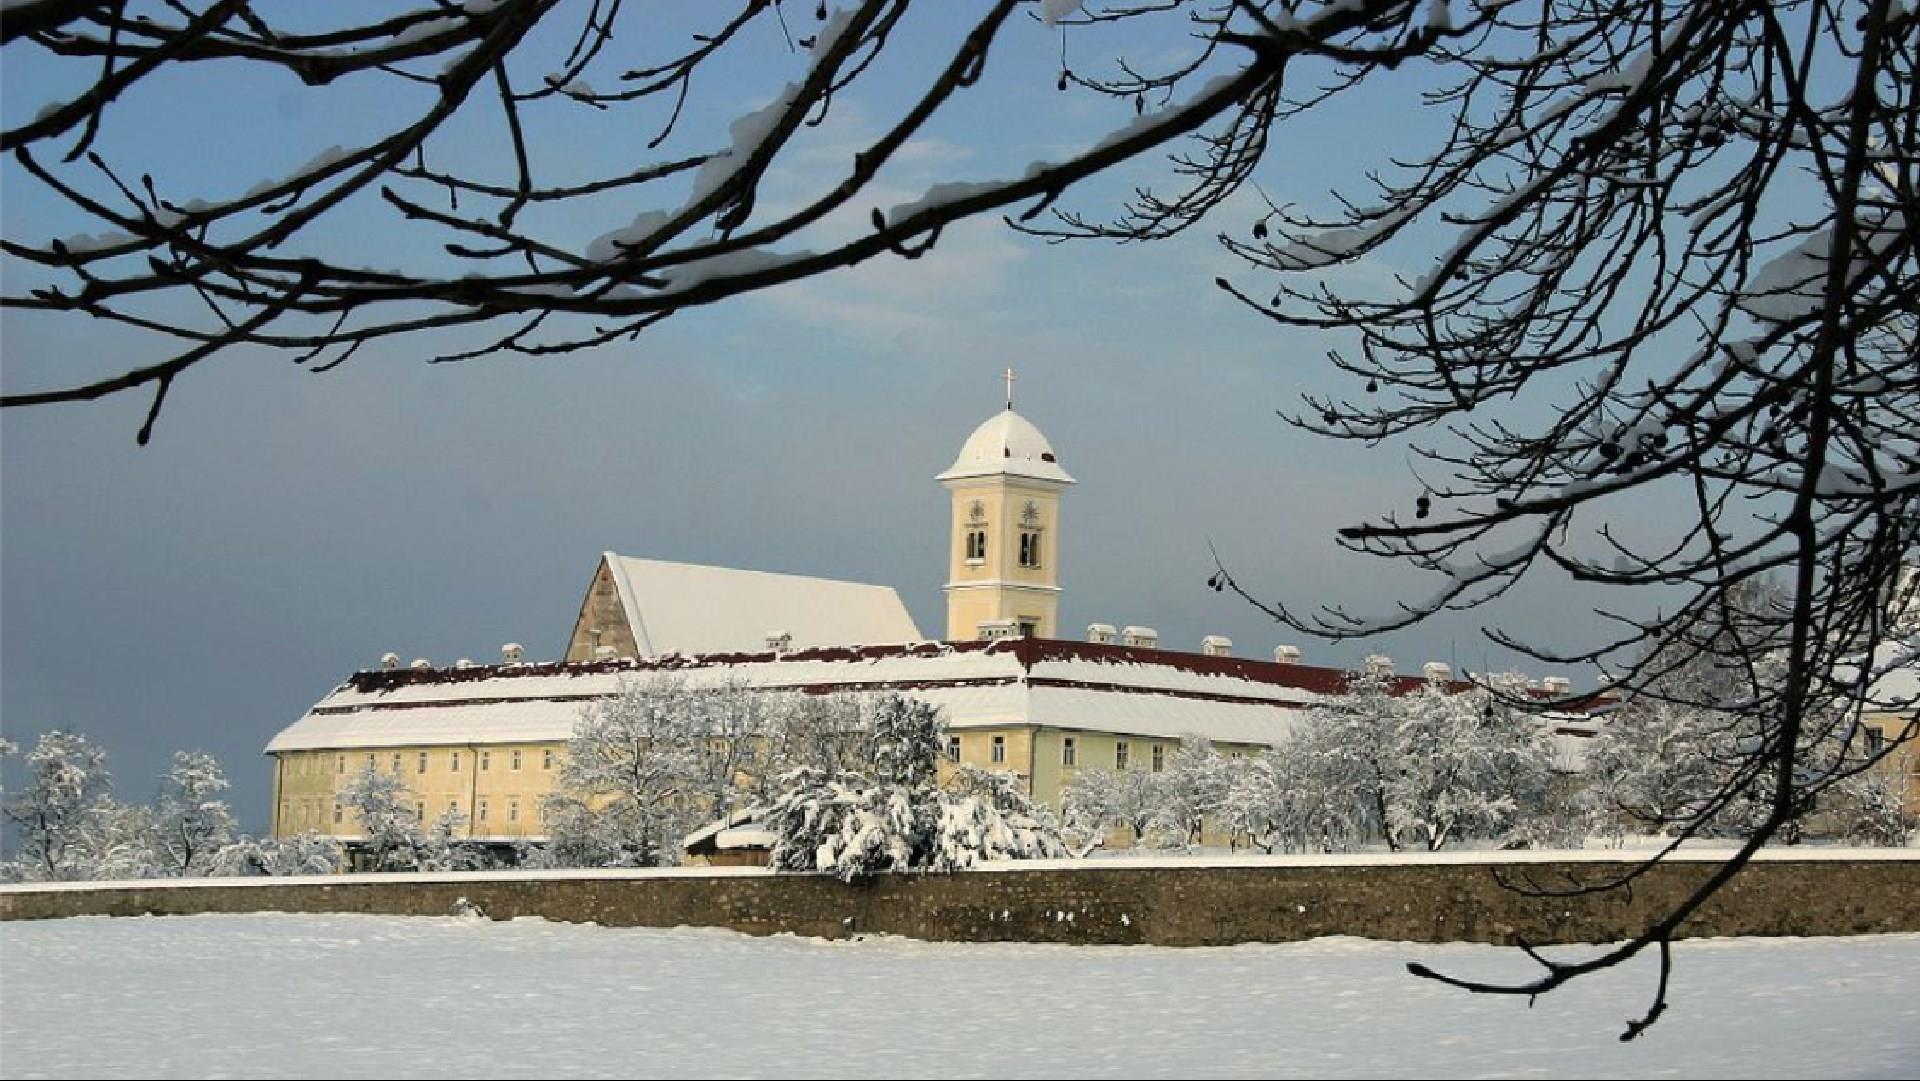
1088	903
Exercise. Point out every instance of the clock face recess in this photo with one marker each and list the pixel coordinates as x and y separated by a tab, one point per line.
977	511
1030	513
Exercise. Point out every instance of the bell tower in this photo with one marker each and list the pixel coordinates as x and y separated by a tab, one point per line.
1003	550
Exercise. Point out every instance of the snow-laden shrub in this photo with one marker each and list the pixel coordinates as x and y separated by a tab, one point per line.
308	853
1870	809
896	818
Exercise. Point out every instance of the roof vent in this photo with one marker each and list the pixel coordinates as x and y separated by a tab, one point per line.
1286	654
993	630
1437	671
389	661
1557	685
1101	633
1379	664
464	662
604	653
1140	637
779	641
512	652
1217	645
421	664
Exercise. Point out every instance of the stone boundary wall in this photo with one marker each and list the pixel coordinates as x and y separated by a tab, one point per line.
1109	902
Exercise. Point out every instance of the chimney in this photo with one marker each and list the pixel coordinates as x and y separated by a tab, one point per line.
1379	664
389	661
1557	685
1101	633
1140	637
779	641
511	653
993	630
1437	671
421	664
1217	645
1286	654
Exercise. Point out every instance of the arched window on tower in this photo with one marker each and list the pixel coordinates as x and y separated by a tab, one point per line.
1029	548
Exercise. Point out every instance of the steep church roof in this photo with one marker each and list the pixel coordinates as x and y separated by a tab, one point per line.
689	608
1007	444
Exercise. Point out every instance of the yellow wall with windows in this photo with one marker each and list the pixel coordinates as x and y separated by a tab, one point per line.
498	787
1903	761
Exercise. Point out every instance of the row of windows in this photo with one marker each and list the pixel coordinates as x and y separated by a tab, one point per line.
1069	752
515	760
301	816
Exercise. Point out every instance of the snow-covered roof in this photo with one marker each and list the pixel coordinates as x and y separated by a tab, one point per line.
1049	683
1899	685
1058	684
1007	444
689	608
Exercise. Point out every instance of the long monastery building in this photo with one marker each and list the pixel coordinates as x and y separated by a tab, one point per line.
486	740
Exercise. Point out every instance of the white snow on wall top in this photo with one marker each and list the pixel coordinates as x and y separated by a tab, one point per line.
1006	444
689	608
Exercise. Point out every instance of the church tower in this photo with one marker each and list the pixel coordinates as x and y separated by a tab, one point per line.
1003	561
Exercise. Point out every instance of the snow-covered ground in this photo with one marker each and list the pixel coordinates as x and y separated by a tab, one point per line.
381	996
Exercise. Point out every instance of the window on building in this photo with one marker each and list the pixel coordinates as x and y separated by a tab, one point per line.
454	764
513	810
340	764
999	749
420	811
953	748
480	810
514	761
486	761
976	544
1159	757
339	814
1120	754
1029	548
1069	752
1876	741
369	760
396	761
422	768
546	758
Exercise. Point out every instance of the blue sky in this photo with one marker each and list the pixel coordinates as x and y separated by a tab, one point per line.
284	529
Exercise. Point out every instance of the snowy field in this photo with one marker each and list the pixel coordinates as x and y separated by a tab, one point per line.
382	996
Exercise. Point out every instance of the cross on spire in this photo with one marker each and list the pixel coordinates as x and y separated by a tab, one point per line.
1010	378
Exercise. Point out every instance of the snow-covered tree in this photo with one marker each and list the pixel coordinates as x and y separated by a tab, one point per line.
1469	767
387	817
65	817
1347	750
1871	808
633	779
825	731
998	818
895	817
309	853
1278	804
1100	799
191	820
1191	790
1660	765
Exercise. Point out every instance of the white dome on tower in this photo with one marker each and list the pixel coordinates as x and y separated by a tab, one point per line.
1007	445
